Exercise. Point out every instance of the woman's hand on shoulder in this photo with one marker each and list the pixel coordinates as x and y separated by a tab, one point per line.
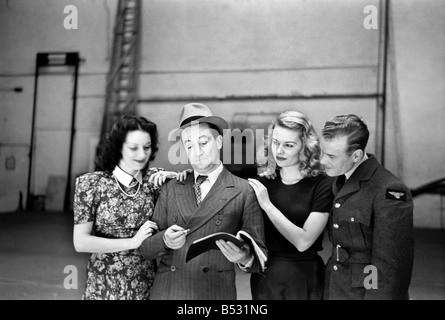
261	193
159	178
181	176
270	173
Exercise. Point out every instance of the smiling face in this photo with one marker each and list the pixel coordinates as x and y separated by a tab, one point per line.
286	145
136	151
202	145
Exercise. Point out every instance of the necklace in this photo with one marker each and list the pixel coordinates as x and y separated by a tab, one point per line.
128	195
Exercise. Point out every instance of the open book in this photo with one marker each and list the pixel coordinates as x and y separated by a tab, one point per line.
208	243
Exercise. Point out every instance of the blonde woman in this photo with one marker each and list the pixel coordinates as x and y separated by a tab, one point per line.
296	207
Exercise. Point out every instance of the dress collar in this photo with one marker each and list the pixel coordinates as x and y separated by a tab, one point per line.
126	178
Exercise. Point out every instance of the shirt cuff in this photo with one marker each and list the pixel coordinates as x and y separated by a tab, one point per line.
247	266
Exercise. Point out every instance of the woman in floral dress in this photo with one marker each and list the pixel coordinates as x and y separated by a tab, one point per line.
112	208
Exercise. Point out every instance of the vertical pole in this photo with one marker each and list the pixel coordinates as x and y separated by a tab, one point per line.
385	72
67	202
31	146
137	55
382	80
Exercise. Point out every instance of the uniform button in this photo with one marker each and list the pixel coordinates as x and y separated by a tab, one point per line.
176	219
335	267
337	205
173	268
335	226
218	222
352	219
205	269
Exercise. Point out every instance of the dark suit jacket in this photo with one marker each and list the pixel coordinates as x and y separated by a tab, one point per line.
230	206
372	220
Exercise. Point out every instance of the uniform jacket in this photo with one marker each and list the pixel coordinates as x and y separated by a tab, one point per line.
372	220
230	206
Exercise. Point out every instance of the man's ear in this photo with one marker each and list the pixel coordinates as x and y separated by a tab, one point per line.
219	140
357	155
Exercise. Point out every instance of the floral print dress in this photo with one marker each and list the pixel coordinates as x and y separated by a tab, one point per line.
123	275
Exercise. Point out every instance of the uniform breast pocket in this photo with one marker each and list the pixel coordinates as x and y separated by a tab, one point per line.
359	222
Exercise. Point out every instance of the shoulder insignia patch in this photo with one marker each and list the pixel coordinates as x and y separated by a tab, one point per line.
395	195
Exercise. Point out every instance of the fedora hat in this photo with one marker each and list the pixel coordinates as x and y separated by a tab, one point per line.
197	112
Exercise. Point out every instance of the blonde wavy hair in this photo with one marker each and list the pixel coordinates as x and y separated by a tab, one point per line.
309	155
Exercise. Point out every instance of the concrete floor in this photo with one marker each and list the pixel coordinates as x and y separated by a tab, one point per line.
36	248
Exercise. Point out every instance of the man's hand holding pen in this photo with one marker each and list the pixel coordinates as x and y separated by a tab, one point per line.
174	236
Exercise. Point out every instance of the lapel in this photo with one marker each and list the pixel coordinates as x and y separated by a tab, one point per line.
219	195
185	197
364	172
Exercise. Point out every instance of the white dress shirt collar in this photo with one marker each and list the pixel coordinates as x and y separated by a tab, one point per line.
126	178
212	176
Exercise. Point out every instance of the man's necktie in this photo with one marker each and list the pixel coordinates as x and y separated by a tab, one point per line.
340	182
199	180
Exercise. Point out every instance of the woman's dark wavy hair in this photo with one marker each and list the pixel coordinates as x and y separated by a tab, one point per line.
110	152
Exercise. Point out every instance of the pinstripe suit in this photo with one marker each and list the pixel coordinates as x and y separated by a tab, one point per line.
229	206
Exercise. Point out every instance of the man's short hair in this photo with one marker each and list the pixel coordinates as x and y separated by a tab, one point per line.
351	126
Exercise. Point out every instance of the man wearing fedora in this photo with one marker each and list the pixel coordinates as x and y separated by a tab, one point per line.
210	200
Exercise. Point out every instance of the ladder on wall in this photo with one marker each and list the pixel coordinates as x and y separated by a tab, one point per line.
122	81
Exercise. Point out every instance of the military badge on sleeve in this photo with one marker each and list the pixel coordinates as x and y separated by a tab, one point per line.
395	195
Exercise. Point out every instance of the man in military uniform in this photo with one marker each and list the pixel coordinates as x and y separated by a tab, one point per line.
371	222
